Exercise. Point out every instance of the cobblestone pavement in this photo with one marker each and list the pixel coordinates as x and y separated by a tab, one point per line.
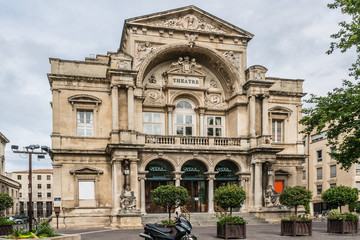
268	231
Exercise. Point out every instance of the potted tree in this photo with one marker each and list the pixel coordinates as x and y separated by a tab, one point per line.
229	197
170	196
296	225
6	226
335	198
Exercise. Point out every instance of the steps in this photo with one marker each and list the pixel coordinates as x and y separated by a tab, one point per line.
200	219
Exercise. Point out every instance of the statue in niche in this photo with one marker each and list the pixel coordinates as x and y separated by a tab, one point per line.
272	198
127	200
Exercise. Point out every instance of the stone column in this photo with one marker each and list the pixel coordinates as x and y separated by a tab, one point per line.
265	115
142	178
211	178
170	114
252	115
299	170
116	187
248	192
134	179
131	119
177	177
115	114
201	113
258	191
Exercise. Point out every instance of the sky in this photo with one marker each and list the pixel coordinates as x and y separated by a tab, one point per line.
291	38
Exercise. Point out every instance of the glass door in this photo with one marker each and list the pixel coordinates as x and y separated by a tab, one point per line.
151	207
198	201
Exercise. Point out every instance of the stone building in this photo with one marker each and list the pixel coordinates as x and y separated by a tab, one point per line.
8	185
176	104
322	172
42	185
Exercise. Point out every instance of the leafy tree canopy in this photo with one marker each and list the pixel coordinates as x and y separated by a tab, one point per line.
295	196
5	201
229	196
340	196
339	111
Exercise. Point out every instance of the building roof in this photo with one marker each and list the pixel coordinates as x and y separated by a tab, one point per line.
4	138
38	171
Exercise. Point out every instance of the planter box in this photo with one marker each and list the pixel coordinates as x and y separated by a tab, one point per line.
63	237
6	229
231	230
342	226
296	228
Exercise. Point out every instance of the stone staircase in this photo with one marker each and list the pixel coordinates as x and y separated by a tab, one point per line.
201	219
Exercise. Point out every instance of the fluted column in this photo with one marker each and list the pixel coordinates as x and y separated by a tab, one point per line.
252	115
265	115
258	185
131	119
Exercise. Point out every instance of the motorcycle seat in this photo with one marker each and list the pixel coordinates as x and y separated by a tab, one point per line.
159	228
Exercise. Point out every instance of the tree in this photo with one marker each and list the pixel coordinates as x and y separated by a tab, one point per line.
170	196
295	196
229	196
5	201
340	196
338	112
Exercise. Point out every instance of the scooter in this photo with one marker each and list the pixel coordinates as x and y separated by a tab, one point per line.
158	232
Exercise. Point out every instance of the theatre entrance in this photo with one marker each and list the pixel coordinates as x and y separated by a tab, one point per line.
226	173
159	173
194	180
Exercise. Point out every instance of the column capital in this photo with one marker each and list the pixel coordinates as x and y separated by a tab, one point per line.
170	107
130	87
210	175
142	175
113	86
200	110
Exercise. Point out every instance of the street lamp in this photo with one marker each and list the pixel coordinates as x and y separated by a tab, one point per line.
30	151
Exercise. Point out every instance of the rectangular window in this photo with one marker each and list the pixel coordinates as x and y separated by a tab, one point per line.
38	177
319	173
214	126
358	169
39	195
48	194
319	155
39	186
184	125
332	150
48	186
304	175
85	123
48	177
358	186
332	185
319	189
153	123
277	130
333	171
86	190
19	177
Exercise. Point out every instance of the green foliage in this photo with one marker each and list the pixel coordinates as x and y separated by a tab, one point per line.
340	196
4	221
352	206
168	222
307	208
295	196
349	33
296	218
170	196
348	216
43	230
5	201
229	196
231	219
334	213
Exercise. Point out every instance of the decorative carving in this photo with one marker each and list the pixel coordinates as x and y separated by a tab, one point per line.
192	39
214	100
154	96
143	49
272	198
234	58
186	66
152	79
127	200
213	83
121	64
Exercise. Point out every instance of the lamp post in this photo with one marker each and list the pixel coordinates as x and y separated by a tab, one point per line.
30	151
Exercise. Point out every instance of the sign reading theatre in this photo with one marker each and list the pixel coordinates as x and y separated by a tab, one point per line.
186	81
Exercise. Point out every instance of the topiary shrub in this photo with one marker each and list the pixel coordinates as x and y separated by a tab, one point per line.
295	196
229	196
340	196
170	196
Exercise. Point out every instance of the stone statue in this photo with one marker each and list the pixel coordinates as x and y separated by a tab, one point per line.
272	198
127	200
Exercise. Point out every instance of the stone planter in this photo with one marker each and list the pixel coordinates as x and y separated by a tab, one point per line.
296	228
6	229
342	226
62	237
231	230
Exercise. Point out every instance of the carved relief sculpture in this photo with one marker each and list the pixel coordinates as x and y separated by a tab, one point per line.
185	65
154	96
214	100
143	49
234	58
272	198
127	200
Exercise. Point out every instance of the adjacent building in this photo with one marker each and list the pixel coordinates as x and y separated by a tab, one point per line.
8	185
175	104
322	172
42	196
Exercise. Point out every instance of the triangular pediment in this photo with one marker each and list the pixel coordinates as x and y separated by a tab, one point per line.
86	171
189	18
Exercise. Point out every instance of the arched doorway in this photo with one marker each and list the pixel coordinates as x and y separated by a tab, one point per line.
160	173
226	173
194	180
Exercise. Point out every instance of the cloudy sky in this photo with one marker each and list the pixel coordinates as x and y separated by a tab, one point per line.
291	38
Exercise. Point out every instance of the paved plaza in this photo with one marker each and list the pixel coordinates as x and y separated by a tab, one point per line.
268	231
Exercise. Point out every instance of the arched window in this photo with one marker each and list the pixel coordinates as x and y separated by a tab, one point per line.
185	118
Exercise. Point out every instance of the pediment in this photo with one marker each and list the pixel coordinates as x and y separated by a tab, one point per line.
86	171
189	18
280	110
84	98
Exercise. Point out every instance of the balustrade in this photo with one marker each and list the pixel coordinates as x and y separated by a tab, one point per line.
191	140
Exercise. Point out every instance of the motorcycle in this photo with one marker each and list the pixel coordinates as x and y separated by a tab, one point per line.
158	232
